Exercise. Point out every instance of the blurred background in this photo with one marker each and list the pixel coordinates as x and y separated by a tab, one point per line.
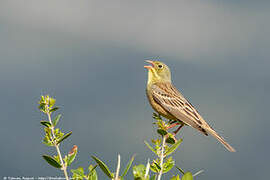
89	55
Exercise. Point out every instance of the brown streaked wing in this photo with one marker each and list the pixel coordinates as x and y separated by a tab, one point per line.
174	102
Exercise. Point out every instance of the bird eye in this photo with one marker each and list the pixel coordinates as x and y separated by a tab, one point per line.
160	66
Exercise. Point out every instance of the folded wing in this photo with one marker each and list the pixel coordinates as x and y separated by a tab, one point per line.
166	95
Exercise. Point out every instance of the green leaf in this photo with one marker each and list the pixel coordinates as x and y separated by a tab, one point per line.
128	166
64	137
176	178
47	143
181	170
187	176
48	139
173	147
93	176
162	132
92	173
54	109
56	157
78	173
42	99
139	171
168	165
42	107
71	157
51	161
161	124
156	142
45	123
153	177
56	119
92	168
150	147
51	102
76	177
156	116
170	139
155	167
58	134
103	167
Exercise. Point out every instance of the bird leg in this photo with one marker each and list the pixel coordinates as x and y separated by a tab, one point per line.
177	130
173	125
173	121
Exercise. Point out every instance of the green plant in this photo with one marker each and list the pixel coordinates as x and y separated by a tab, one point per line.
54	136
162	147
80	174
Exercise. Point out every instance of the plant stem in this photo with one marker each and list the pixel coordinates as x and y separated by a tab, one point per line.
161	158
147	169
117	168
64	168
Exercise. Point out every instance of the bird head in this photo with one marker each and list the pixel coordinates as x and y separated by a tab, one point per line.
158	72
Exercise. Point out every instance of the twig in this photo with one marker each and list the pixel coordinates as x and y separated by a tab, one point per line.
118	168
147	169
161	158
64	168
197	173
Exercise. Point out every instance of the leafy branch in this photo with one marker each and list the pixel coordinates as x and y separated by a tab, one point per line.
163	147
53	137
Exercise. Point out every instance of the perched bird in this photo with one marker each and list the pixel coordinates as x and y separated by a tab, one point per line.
171	104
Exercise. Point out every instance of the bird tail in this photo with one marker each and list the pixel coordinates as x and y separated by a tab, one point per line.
220	139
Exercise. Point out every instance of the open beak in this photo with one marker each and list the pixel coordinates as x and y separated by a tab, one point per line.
149	67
